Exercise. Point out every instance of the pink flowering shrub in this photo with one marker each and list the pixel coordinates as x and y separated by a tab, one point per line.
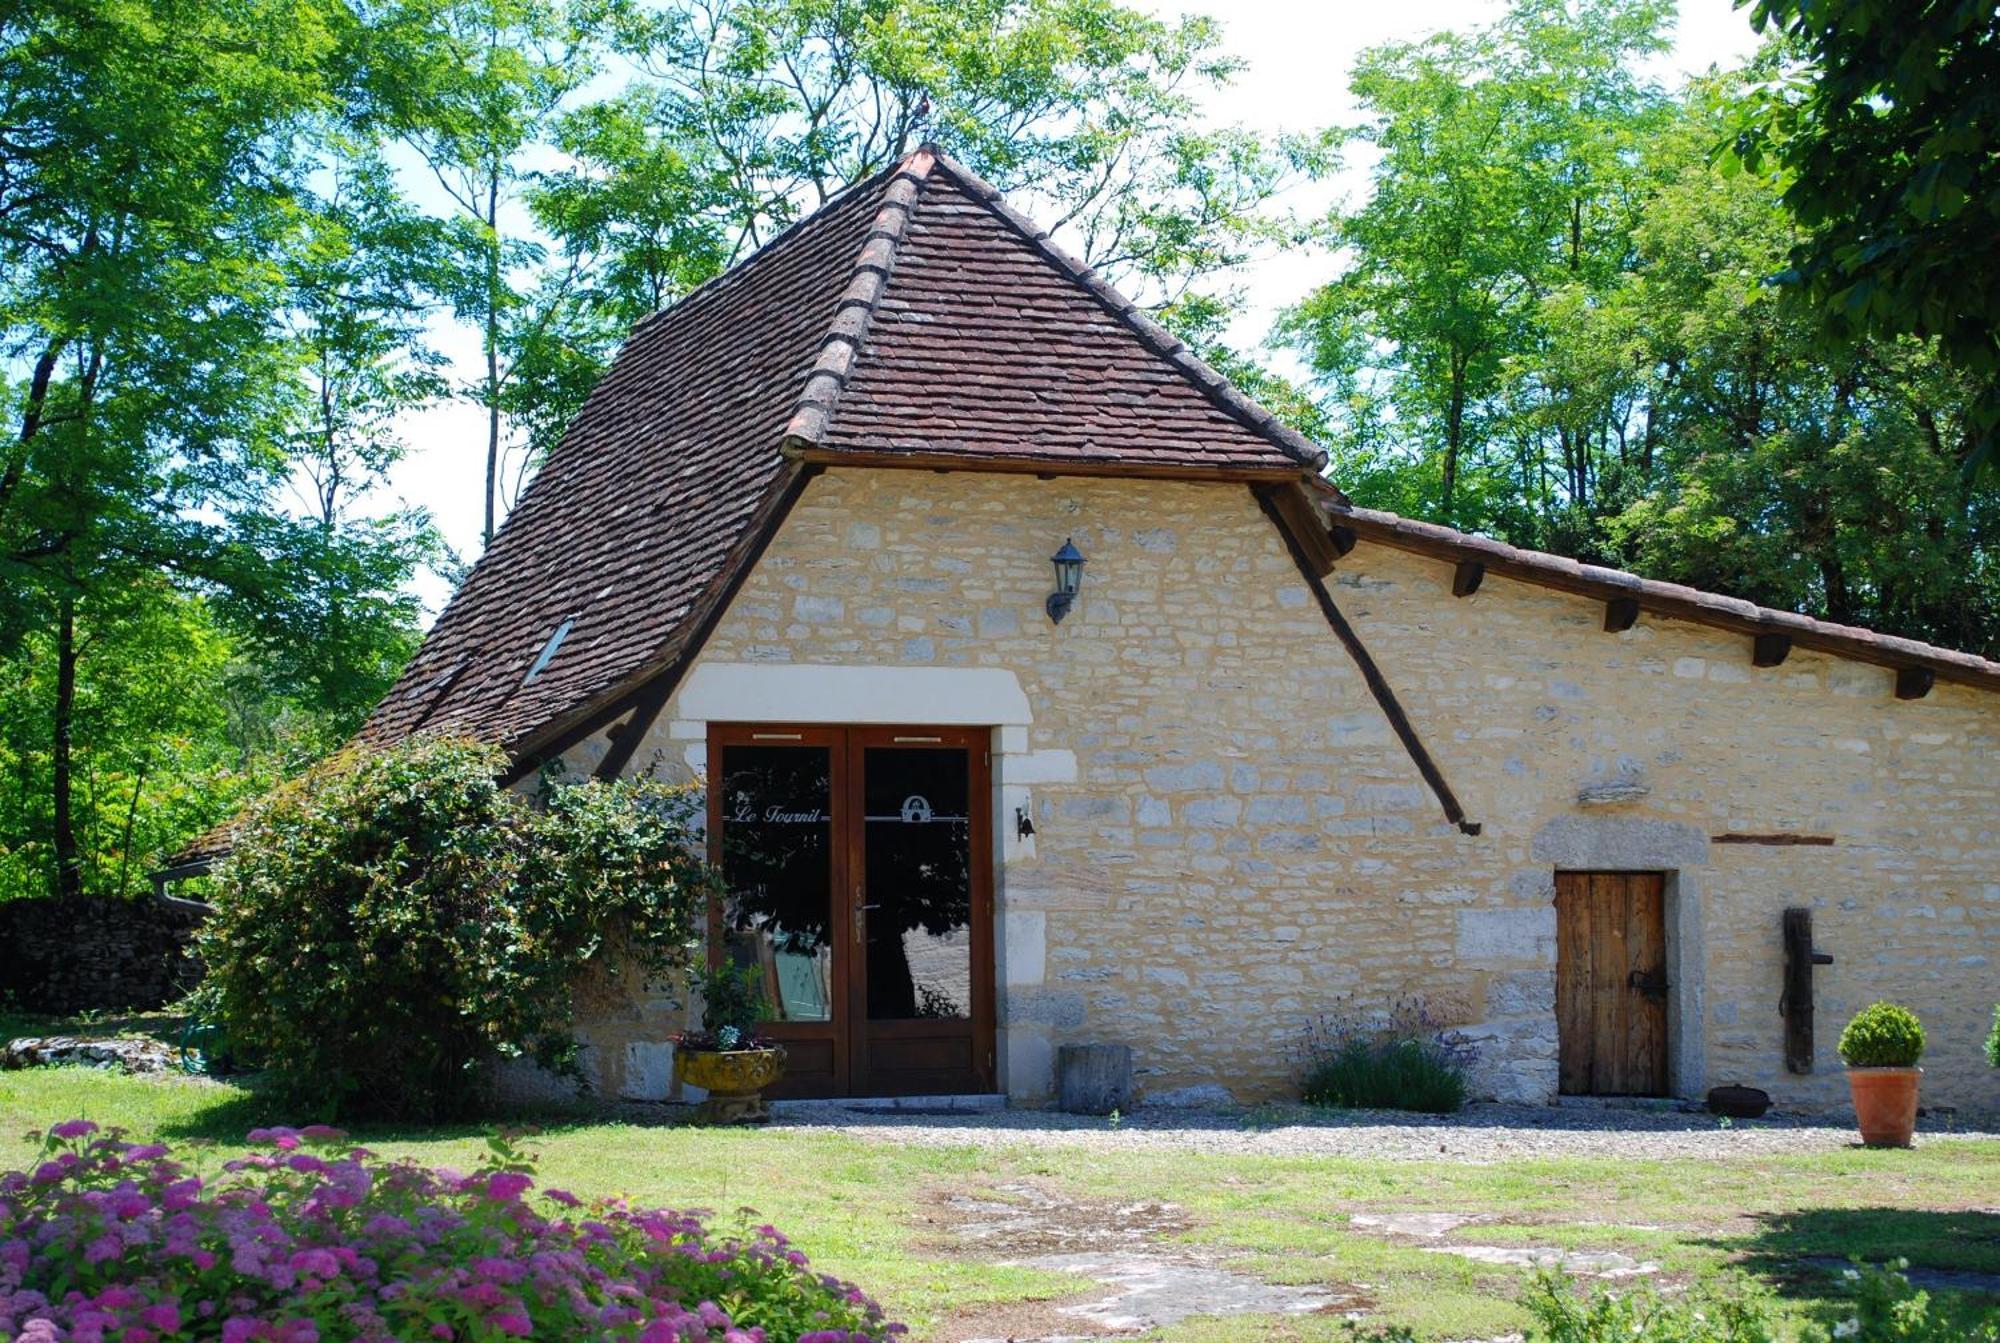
316	1240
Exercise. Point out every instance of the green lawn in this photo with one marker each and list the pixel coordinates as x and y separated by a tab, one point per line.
875	1211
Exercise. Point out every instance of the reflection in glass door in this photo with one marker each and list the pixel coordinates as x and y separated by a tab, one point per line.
857	866
772	809
924	912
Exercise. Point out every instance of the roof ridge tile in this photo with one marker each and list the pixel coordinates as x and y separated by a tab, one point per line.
855	308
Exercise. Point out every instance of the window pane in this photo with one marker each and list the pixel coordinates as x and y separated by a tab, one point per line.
919	864
777	865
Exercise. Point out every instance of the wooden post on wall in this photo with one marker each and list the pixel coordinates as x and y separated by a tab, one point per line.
1797	1002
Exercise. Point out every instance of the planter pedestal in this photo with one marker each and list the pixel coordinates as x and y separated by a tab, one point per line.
1885	1104
734	1080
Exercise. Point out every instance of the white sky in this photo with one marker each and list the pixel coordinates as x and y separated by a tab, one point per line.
1298	54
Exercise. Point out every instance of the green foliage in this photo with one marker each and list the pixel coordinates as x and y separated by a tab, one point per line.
160	238
1887	142
392	920
167	731
1407	1063
1508	170
1553	325
1882	1035
1883	1308
733	1005
1993	1040
1641	1317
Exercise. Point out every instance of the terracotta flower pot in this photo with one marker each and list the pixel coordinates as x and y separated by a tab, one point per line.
1885	1104
734	1080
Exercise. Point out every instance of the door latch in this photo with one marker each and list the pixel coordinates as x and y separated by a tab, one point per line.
1653	986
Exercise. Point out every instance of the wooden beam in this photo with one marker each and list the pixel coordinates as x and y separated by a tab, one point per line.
1303	522
1782	837
1665	602
1371	675
1770	650
1466	577
1796	1003
1620	613
1914	682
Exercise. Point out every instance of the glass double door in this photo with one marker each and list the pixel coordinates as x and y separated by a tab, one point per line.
857	875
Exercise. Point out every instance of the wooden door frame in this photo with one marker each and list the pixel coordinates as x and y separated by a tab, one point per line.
1664	1065
839	911
848	970
977	743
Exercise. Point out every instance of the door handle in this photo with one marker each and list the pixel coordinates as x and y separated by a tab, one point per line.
1653	986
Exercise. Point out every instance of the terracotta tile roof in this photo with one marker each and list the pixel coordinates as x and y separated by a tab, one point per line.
910	315
1664	599
913	317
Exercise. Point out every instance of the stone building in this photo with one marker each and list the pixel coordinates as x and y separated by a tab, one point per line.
1270	756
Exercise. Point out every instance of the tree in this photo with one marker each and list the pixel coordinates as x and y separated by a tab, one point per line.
1506	174
326	609
144	209
1552	324
158	236
1824	478
474	86
1888	140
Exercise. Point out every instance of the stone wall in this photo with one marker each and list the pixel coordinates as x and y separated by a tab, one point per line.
96	954
1230	840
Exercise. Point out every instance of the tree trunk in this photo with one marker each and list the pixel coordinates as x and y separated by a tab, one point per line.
69	858
1454	434
492	355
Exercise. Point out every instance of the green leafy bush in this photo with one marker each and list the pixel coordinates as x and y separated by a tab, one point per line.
1409	1063
391	921
1993	1039
1882	1035
733	1005
1880	1307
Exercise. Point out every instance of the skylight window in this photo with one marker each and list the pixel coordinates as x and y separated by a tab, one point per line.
548	650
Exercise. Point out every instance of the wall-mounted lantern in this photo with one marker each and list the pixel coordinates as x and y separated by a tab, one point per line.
1069	577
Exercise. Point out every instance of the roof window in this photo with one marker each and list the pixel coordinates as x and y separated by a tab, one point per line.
548	650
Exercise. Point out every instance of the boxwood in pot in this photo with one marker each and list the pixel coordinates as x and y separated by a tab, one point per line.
1880	1047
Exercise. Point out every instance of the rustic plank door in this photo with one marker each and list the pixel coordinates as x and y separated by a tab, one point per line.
1611	983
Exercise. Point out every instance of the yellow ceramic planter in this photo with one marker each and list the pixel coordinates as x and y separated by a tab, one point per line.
734	1080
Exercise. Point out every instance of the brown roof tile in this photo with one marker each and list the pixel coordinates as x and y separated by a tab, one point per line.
914	314
1664	599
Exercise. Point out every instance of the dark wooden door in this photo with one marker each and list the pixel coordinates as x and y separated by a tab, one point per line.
1611	983
921	999
857	869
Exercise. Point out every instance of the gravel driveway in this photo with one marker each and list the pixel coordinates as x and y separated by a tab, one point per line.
1480	1134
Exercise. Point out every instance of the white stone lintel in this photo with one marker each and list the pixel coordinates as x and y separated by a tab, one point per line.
825	692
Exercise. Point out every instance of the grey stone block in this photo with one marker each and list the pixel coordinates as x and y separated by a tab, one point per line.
1093	1079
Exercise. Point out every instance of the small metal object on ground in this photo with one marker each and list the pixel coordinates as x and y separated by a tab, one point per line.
1739	1102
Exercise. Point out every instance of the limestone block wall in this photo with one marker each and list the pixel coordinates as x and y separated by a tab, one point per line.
1634	750
1230	840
